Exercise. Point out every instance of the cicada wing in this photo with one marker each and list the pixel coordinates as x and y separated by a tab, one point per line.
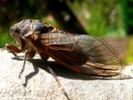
99	51
103	59
97	56
92	69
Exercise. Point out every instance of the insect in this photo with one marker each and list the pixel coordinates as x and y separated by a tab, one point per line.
81	53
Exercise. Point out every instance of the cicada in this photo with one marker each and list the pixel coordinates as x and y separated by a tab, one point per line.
81	53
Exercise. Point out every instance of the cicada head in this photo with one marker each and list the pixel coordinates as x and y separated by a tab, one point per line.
27	28
19	30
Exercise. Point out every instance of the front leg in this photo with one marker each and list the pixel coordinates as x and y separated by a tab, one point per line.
28	53
13	49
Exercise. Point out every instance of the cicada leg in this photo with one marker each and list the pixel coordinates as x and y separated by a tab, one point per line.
13	49
25	56
28	53
45	57
57	80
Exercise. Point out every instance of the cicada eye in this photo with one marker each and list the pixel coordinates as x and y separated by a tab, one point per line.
16	29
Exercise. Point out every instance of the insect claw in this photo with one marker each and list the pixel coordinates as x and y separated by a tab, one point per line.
19	76
15	55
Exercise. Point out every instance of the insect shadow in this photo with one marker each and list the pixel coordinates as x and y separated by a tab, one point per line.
62	71
59	69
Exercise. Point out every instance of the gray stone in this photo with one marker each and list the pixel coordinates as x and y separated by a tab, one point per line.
36	83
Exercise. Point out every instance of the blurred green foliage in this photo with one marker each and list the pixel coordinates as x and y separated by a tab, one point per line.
127	16
100	17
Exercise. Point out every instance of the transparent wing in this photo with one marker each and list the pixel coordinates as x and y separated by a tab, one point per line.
98	51
103	59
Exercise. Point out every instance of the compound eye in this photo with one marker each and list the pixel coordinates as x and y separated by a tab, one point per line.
15	29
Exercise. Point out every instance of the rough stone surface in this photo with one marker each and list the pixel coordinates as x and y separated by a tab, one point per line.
36	83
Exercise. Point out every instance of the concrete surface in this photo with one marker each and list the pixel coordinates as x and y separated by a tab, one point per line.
36	83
